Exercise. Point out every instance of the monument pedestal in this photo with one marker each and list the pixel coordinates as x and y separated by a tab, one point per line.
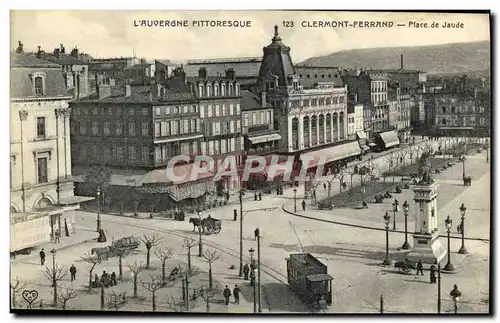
427	248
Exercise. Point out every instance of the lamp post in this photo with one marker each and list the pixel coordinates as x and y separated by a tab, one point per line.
200	244
53	252
295	200
462	209
448	223
387	219
258	272
241	193
406	208
252	268
98	194
439	288
455	295
395	205
487	146
463	165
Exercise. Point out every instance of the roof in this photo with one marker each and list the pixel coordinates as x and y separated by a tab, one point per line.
242	68
195	79
20	60
64	59
21	84
176	175
319	74
250	101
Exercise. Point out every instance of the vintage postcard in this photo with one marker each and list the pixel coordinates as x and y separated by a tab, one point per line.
250	162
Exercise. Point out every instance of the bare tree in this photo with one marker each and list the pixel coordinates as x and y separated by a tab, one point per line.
17	286
93	260
163	253
313	185
175	305
153	286
341	177
55	274
207	297
210	256
66	294
402	157
116	300
350	172
189	243
135	269
392	160
150	240
121	253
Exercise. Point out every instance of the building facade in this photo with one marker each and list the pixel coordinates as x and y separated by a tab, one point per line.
379	102
42	197
355	115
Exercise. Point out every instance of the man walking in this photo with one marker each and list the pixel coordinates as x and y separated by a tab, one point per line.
420	268
433	274
58	236
303	205
246	270
236	293
42	257
256	233
227	294
72	271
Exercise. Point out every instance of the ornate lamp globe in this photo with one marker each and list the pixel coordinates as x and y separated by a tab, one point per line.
387	218
462	209
406	206
448	222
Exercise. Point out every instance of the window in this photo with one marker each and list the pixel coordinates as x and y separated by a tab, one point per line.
131	129
157	129
254	118
95	111
110	111
482	121
107	153
131	153
40	127
42	170
473	108
481	109
118	128
245	120
452	109
217	111
95	129
83	128
237	109
165	130
193	126
144	111
262	121
145	154
39	85
158	111
145	129
107	128
185	125
443	121
93	152
131	111
238	125
119	152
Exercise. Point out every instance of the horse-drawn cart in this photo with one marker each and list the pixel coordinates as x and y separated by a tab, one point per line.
208	225
126	243
405	266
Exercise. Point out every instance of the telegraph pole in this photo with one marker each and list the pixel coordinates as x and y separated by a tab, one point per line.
241	232
258	272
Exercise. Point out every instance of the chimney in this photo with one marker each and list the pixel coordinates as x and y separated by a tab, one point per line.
20	48
74	52
230	74
202	73
263	99
402	66
63	50
57	51
39	53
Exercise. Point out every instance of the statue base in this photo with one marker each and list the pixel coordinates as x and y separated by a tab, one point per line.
427	248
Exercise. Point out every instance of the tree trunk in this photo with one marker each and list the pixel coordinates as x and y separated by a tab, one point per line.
90	279
154	302
163	277
210	275
102	297
148	252
64	305
55	292
135	285
120	270
13	298
189	259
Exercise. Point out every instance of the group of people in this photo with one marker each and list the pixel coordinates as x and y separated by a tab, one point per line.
106	279
227	294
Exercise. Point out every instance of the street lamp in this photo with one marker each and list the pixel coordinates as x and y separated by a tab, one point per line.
463	165
462	226
295	200
258	271
387	219
53	252
487	146
98	194
455	294
406	208
252	268
394	209
200	244
448	223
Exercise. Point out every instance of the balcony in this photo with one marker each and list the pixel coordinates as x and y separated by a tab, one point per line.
172	138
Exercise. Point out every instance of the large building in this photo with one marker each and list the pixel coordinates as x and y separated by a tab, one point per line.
312	117
42	197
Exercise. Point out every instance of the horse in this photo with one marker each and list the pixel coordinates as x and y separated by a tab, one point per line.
100	252
196	222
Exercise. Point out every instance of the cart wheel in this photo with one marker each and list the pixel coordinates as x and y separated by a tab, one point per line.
406	270
217	230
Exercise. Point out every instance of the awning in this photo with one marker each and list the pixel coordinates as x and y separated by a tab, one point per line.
75	199
264	138
361	134
319	277
390	138
334	153
176	175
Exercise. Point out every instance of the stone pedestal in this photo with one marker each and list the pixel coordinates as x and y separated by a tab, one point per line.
427	248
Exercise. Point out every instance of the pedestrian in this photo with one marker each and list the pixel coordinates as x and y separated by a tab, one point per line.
42	257
260	196
420	268
227	294
433	274
303	205
252	277
256	233
113	278
324	186
57	236
236	293
246	270
72	271
255	196
104	279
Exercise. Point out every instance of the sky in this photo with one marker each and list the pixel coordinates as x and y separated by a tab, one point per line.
112	33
